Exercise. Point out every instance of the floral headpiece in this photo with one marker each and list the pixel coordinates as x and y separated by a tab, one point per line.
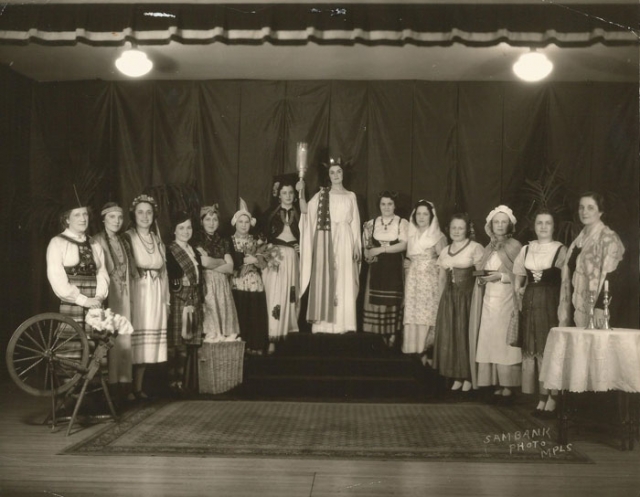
276	187
143	198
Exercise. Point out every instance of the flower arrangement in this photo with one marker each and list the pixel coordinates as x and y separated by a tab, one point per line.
222	338
271	254
106	322
268	255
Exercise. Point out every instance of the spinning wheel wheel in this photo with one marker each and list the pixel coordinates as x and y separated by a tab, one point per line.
48	354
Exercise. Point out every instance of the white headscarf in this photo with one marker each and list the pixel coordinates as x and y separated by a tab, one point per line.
418	243
500	209
243	211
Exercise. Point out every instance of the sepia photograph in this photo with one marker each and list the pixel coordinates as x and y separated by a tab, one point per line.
310	248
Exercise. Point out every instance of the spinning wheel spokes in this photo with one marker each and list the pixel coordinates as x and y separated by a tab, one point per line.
47	354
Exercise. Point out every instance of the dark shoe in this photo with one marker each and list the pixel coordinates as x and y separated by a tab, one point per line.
505	400
548	414
537	413
140	396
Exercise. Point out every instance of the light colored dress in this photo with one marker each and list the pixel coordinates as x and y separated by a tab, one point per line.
220	317
282	281
493	350
332	292
421	296
150	297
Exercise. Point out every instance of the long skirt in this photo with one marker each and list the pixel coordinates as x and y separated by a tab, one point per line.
149	339
252	315
382	311
283	294
87	287
220	316
73	347
421	304
185	296
539	315
498	362
451	348
120	370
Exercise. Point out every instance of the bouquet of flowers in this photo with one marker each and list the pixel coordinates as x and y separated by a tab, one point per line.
222	338
268	255
105	322
367	234
271	254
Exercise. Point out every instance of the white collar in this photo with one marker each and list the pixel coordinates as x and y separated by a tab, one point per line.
70	234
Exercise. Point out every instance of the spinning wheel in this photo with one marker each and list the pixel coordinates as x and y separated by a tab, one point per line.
48	354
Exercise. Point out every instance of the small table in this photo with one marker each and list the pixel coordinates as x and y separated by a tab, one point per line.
579	360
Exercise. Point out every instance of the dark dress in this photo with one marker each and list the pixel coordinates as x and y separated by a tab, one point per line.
540	308
249	295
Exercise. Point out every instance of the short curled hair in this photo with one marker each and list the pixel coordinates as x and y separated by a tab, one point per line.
597	197
463	216
64	216
543	211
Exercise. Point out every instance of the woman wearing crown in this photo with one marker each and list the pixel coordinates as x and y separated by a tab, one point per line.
330	250
149	290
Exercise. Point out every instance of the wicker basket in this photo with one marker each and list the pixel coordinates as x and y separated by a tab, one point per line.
220	366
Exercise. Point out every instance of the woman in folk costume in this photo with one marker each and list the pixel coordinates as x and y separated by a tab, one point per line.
594	254
149	290
457	263
116	254
220	317
247	285
537	271
493	307
385	241
422	293
282	282
330	250
76	267
184	329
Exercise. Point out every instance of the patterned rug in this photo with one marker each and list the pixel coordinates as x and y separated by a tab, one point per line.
459	432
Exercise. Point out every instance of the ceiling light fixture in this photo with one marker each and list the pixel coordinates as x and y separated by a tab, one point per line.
533	66
133	63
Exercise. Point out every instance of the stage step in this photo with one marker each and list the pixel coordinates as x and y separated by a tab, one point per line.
352	366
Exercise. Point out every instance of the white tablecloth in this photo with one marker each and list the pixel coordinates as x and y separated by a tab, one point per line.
582	360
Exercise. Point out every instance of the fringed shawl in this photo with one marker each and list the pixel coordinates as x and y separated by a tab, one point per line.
602	250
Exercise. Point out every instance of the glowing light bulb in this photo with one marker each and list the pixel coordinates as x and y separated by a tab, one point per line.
134	63
533	66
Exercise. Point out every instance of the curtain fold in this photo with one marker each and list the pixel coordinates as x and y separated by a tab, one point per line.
466	146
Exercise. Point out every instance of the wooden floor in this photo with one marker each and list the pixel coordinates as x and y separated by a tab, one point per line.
29	466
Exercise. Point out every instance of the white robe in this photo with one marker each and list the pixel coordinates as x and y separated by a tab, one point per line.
345	236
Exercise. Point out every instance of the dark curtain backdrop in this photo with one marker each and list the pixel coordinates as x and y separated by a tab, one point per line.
465	146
